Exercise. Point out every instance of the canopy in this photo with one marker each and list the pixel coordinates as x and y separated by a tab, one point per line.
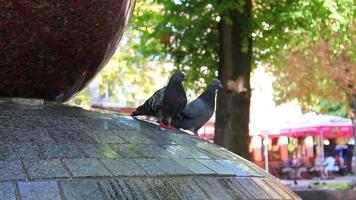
312	125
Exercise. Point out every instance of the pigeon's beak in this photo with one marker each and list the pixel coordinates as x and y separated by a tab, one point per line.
221	86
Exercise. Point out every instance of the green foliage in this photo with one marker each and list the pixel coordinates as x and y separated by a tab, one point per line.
184	32
309	48
317	77
326	106
281	26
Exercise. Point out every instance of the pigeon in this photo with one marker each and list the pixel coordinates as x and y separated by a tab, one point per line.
166	102
199	111
152	106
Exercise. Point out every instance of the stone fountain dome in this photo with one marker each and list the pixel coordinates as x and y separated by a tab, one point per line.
49	51
55	151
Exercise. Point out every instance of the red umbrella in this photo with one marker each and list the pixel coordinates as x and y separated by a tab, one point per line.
312	125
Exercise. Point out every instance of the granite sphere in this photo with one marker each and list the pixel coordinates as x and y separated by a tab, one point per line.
50	49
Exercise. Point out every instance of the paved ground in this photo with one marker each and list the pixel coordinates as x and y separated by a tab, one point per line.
304	183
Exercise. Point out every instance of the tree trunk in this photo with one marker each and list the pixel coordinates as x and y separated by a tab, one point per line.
233	102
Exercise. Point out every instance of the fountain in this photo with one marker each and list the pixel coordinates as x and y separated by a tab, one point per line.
50	49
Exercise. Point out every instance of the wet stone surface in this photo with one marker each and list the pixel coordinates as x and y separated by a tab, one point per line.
45	169
194	166
46	190
7	191
188	189
56	151
121	189
216	190
124	167
81	190
61	151
11	170
160	188
86	167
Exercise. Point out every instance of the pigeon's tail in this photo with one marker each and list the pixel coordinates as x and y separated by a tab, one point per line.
195	131
135	113
139	111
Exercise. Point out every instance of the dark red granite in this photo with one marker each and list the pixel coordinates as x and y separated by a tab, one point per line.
51	49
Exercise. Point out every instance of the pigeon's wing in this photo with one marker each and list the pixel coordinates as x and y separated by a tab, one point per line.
194	109
155	102
194	116
152	105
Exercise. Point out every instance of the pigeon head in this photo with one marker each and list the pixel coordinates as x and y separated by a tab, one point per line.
214	85
178	77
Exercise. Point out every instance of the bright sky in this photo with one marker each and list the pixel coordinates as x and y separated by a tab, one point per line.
265	113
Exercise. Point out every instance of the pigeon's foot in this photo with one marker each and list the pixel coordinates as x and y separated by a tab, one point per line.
171	127
163	125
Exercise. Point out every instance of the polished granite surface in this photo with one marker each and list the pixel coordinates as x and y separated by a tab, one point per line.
54	151
50	49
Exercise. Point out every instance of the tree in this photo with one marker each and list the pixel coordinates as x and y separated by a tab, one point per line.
308	46
325	76
206	38
232	115
280	27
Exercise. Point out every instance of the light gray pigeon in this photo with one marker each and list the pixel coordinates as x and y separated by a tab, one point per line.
199	111
167	102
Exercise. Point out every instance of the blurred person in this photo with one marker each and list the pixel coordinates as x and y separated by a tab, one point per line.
299	165
317	168
353	165
330	167
287	169
340	163
348	159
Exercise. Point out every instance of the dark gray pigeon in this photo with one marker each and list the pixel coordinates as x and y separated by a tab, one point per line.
167	102
152	106
199	111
